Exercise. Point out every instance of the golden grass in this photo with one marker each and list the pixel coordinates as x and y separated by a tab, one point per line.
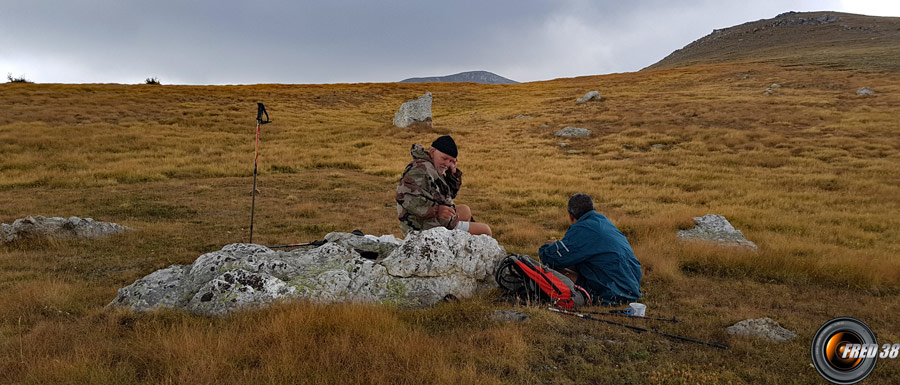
810	174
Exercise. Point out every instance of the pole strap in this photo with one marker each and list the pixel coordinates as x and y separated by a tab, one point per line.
260	111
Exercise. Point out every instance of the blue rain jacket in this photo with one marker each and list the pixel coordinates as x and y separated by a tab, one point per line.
601	255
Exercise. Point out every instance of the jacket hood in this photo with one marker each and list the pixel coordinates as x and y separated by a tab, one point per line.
419	152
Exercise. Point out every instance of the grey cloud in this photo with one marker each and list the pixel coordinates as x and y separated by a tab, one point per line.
223	42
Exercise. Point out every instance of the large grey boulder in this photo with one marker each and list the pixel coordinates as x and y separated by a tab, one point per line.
417	110
420	270
765	328
573	132
32	227
715	228
592	95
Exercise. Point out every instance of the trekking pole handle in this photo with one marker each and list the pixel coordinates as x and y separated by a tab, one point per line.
260	111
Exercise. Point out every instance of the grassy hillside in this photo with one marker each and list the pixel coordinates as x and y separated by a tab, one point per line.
810	173
828	39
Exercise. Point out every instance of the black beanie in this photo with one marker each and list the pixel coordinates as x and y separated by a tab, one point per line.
446	145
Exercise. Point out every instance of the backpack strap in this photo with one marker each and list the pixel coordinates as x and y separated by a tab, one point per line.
507	276
584	294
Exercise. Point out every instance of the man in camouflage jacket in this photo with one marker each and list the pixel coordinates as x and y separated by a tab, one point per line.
427	188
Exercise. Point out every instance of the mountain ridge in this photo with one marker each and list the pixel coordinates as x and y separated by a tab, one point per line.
480	77
831	39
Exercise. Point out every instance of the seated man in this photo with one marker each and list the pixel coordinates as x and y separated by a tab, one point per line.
597	253
427	188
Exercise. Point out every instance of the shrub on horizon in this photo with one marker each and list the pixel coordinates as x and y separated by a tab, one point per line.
153	80
20	79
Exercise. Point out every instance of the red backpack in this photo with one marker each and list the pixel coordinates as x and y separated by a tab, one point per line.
531	281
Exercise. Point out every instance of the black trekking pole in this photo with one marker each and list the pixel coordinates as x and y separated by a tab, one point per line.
622	314
313	243
260	110
639	329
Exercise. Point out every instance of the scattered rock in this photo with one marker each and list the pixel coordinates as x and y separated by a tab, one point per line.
865	91
658	146
573	132
414	111
523	117
715	228
421	270
775	85
765	328
510	316
545	125
768	91
592	95
563	144
32	227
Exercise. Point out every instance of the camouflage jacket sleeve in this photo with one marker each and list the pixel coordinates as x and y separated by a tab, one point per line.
454	181
418	202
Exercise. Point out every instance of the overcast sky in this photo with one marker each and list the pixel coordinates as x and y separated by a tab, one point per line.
341	41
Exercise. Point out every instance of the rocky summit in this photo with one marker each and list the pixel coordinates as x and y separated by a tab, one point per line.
833	39
421	270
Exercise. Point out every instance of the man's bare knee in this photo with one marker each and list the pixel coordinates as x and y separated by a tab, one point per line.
480	229
464	213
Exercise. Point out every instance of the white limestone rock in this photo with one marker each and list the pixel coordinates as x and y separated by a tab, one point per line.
160	289
865	91
765	328
36	227
592	95
573	132
421	270
417	110
715	228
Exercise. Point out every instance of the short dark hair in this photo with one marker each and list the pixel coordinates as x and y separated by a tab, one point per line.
580	204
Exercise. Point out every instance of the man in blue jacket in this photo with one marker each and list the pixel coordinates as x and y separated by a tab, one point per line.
598	253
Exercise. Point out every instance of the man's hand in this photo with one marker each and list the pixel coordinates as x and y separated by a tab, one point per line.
550	241
446	212
453	165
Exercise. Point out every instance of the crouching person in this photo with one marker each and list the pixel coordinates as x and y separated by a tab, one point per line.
596	255
427	188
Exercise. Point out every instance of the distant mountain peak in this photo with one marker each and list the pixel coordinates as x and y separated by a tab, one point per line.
482	77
